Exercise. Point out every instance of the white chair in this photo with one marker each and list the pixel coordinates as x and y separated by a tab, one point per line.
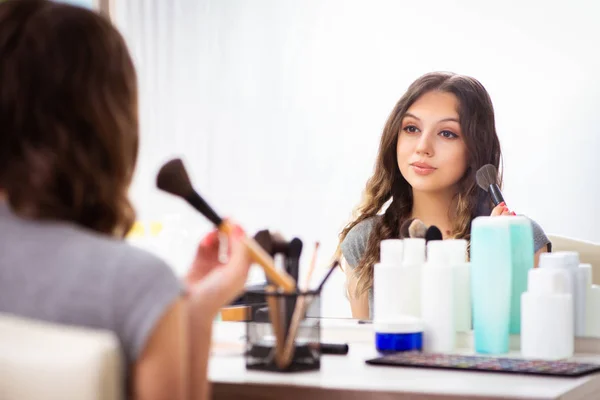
589	253
40	360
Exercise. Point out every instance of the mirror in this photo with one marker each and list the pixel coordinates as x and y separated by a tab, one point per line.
277	107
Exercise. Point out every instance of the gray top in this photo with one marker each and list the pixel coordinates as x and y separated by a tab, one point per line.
59	272
355	243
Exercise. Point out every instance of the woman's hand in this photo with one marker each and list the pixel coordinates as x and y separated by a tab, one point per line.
501	209
212	284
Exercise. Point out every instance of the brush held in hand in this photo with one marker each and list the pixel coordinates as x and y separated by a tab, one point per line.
174	179
487	179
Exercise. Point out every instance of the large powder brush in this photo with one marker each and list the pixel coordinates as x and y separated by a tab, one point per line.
417	229
487	179
173	178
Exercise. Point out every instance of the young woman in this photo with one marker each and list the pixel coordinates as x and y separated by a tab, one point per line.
439	134
68	148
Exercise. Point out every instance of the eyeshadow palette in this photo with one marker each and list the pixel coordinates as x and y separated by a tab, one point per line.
559	368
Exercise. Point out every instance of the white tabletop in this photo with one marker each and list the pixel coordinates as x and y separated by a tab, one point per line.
351	373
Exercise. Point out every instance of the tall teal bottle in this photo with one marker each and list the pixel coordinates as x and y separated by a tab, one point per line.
491	283
522	259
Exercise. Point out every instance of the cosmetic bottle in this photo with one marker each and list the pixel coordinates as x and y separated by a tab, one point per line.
437	300
592	302
397	281
560	261
522	259
491	283
387	274
579	290
456	251
547	316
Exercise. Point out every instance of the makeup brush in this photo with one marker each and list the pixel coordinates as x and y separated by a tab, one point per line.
487	179
433	233
301	306
417	229
173	178
299	310
404	233
273	303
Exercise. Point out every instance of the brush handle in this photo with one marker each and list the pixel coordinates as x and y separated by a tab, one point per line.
496	194
273	303
260	256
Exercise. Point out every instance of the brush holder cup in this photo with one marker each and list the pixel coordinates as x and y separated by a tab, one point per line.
271	327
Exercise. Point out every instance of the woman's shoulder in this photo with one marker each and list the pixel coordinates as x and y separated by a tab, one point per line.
540	239
354	244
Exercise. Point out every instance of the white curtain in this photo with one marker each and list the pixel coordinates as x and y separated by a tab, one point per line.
277	106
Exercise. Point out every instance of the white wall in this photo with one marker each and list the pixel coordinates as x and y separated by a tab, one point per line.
277	106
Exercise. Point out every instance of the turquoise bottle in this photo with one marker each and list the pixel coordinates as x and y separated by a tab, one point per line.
491	283
522	259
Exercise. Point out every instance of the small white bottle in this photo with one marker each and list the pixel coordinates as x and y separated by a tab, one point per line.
410	287
437	300
593	319
580	290
387	274
586	271
571	264
558	261
456	250
547	315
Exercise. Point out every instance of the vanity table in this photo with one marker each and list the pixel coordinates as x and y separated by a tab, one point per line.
349	377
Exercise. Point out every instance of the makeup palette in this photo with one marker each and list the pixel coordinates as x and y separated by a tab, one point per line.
559	368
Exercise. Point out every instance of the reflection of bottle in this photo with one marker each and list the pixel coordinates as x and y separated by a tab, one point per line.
547	315
437	300
592	302
491	281
397	283
456	250
387	301
558	261
522	253
579	290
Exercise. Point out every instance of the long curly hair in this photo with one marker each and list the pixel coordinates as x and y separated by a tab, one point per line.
68	116
477	121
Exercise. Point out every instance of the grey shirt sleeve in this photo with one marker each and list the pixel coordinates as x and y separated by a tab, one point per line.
354	244
144	289
539	237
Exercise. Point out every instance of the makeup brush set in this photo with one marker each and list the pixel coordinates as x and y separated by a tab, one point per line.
284	335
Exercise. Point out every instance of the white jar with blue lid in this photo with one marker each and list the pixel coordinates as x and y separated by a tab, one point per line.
402	334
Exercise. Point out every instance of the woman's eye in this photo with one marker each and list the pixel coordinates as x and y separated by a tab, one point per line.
411	129
448	134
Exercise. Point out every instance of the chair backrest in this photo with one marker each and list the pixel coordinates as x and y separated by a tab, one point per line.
41	360
589	253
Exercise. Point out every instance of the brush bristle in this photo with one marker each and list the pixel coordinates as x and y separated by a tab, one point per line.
486	176
404	233
433	233
417	229
173	178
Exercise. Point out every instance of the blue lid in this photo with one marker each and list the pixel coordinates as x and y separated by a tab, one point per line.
394	342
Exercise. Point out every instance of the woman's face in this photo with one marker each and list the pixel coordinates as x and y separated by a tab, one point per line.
431	152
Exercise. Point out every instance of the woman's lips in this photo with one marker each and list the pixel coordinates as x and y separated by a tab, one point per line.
422	168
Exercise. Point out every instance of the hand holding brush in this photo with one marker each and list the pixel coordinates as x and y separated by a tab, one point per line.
173	178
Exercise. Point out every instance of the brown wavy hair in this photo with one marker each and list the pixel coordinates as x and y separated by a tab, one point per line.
477	121
68	116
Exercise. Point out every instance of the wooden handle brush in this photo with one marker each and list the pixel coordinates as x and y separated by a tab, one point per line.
173	178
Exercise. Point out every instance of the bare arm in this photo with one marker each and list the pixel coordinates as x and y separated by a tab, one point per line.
358	304
536	261
161	371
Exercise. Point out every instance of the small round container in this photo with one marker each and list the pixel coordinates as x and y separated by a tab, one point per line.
403	334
